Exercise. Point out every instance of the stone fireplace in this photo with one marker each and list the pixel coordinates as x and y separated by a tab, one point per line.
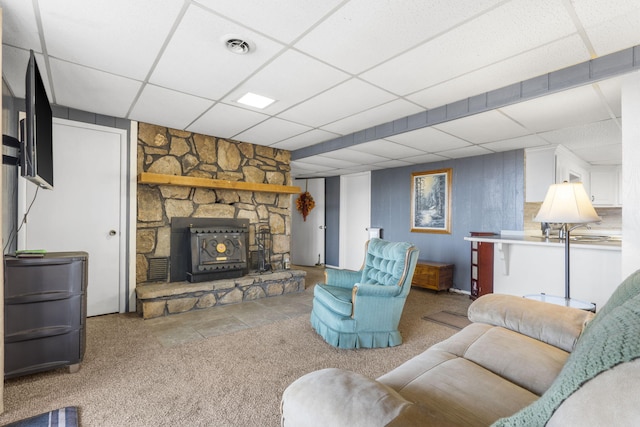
161	272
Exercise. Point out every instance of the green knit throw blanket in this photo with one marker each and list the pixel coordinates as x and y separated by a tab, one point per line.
607	341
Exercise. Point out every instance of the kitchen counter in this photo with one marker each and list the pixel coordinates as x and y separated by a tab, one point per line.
584	241
531	264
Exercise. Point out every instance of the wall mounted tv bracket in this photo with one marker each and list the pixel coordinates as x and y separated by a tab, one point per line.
9	141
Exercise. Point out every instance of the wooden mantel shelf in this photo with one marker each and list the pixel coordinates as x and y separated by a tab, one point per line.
190	181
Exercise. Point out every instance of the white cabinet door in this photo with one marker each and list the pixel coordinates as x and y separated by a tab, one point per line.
605	188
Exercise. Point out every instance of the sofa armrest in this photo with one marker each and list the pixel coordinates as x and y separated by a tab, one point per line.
342	278
553	324
340	398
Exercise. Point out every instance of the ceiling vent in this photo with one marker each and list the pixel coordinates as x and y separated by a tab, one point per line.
237	45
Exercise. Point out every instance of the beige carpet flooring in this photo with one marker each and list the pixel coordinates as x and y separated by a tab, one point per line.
128	378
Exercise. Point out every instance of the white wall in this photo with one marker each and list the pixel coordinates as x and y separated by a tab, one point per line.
630	174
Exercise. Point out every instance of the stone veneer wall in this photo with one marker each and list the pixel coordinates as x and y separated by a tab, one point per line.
175	152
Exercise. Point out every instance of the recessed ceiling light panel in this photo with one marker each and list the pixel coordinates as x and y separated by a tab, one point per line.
237	44
256	101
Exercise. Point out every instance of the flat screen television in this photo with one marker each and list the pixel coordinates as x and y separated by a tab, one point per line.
36	155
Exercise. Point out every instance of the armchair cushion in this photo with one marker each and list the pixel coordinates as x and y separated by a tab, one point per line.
337	299
385	262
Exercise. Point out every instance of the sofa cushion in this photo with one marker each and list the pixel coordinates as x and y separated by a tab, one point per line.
462	392
549	323
528	363
607	342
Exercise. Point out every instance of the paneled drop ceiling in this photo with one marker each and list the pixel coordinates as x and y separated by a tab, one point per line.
333	67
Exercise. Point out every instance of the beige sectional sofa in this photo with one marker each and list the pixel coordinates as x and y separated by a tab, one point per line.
533	362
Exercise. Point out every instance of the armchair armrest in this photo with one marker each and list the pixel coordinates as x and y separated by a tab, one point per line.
342	278
553	324
366	289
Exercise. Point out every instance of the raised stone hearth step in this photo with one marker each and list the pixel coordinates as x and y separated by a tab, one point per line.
162	299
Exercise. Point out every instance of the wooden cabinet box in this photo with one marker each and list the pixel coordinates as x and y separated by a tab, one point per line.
436	276
481	266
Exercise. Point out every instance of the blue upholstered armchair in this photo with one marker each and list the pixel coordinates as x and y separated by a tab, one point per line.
362	308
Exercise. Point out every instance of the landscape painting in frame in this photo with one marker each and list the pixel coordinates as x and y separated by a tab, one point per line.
431	201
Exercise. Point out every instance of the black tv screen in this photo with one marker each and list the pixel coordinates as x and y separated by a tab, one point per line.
36	158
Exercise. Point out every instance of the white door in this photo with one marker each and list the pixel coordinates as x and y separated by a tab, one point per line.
84	211
355	217
307	237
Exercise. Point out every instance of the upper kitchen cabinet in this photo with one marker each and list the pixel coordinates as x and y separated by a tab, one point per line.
606	185
550	165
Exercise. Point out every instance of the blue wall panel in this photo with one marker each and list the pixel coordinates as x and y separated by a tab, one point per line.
487	195
332	221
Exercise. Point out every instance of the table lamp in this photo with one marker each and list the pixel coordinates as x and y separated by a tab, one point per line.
567	203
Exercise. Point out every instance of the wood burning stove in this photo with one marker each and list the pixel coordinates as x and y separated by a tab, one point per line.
217	252
205	249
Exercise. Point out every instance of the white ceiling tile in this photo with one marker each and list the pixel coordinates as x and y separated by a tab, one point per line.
535	62
284	20
343	37
119	36
474	150
309	165
337	103
526	141
384	113
225	121
616	35
601	155
197	62
92	90
332	162
391	164
606	132
610	26
155	105
429	139
271	131
569	108
524	25
19	27
355	156
483	127
425	158
388	149
306	139
14	76
289	79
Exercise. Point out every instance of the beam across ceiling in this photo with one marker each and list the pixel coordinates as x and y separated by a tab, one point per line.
594	70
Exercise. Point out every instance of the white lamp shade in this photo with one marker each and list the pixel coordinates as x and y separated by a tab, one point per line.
567	203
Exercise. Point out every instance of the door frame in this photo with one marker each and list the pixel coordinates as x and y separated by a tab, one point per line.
126	296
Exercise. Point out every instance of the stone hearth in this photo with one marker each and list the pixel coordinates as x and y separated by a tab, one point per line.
163	299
